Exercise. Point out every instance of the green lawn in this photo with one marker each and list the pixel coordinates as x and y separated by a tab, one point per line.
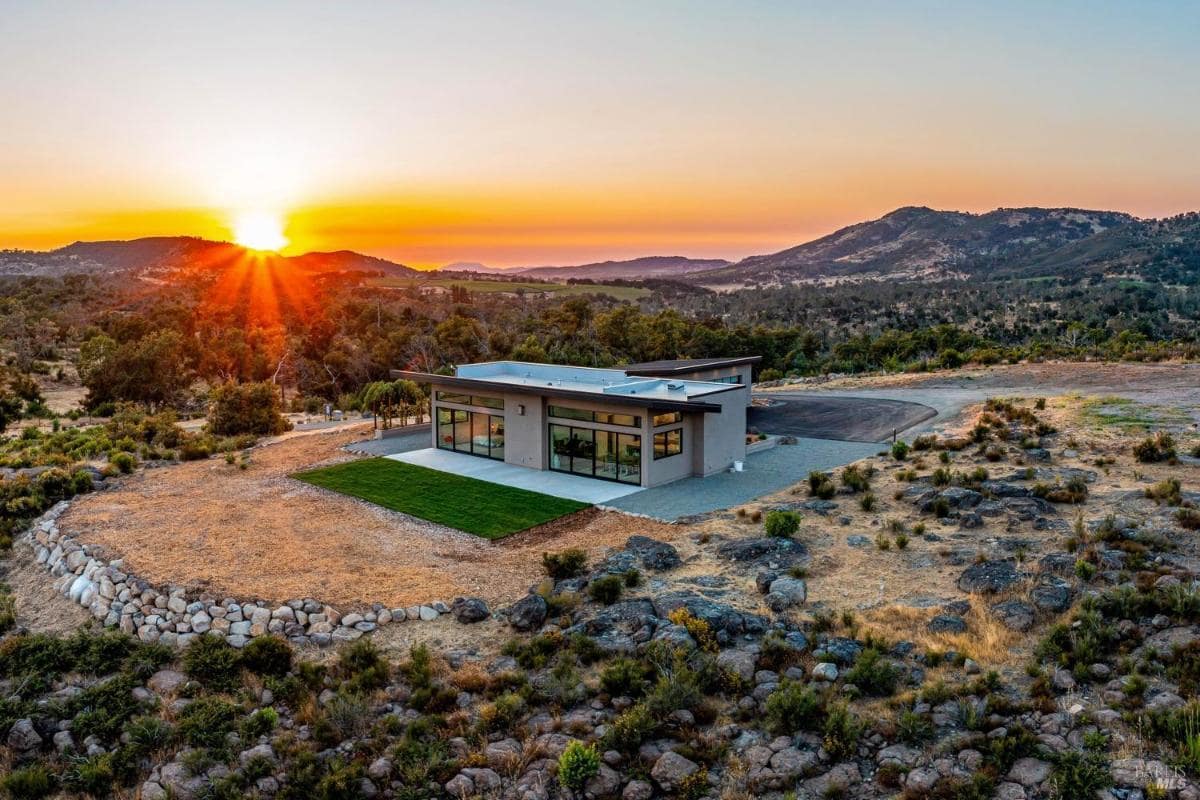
484	509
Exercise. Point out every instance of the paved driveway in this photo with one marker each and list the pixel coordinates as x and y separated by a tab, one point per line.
852	419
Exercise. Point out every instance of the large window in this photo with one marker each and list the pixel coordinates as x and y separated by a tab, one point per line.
668	443
604	417
666	419
597	454
471	432
736	379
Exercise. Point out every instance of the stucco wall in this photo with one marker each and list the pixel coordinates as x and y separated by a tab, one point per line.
724	433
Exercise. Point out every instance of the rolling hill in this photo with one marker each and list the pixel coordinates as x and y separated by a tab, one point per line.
917	242
161	256
633	269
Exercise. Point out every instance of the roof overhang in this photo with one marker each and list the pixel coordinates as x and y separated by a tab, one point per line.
686	369
476	384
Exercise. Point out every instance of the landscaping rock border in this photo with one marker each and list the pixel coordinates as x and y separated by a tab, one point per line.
173	616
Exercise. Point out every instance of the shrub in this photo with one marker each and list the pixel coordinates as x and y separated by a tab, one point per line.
941	477
857	478
124	462
913	728
148	734
28	783
873	674
213	662
699	630
624	677
792	707
1168	491
1188	518
364	666
565	564
1079	775
1159	447
867	501
900	450
842	731
90	775
578	764
206	721
246	408
260	723
606	590
781	524
267	655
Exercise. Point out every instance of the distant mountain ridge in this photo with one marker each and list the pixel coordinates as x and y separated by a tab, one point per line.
632	269
921	242
160	256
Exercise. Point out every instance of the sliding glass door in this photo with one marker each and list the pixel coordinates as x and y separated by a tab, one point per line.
596	453
473	432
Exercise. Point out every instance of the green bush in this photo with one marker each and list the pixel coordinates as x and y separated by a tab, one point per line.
841	732
781	524
91	775
606	590
792	707
148	734
624	677
246	408
267	655
124	462
260	723
213	662
1079	775
565	564
1159	447
28	783
578	764
900	450
207	721
873	674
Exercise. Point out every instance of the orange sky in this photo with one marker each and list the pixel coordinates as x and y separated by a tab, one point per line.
523	134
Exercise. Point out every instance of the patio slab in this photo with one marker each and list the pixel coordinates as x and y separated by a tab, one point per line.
555	484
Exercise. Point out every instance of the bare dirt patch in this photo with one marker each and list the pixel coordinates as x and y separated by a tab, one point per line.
257	533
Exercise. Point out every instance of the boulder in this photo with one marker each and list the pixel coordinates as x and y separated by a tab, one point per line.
1029	772
989	577
1016	615
1051	594
166	681
739	662
946	623
766	553
469	609
670	769
793	590
825	671
655	555
528	613
23	736
721	618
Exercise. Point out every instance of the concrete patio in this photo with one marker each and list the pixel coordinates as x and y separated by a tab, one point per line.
556	484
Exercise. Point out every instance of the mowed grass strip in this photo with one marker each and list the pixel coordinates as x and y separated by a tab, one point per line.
484	509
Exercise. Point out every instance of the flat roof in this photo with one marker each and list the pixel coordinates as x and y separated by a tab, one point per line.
683	366
603	382
608	385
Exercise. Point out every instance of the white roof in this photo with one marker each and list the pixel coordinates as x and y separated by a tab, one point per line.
587	379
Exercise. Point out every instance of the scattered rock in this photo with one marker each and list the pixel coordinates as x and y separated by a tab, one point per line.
655	555
989	577
469	609
1016	615
946	623
528	613
670	769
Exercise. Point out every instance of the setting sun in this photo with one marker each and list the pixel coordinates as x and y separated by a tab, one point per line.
259	231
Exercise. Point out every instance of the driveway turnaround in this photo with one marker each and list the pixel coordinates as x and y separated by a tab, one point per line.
555	484
822	416
765	473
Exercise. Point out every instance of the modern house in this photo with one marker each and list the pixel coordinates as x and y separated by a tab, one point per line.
645	425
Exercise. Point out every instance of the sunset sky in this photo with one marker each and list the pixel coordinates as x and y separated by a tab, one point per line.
563	132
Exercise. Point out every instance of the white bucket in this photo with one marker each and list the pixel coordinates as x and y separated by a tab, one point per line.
737	466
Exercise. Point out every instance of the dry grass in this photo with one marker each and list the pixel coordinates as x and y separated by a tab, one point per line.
259	533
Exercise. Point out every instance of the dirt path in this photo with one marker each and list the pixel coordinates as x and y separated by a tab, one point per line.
257	533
